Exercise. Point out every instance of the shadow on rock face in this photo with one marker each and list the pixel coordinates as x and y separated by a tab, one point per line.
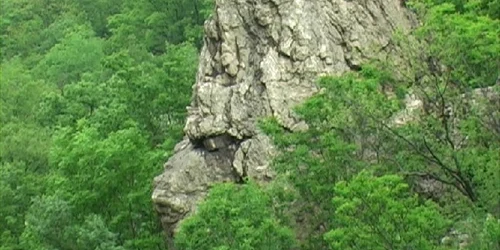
189	174
197	165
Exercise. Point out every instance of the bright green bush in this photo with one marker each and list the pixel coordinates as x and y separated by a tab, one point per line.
234	217
381	213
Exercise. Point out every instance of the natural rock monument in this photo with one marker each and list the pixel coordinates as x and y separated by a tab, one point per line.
260	58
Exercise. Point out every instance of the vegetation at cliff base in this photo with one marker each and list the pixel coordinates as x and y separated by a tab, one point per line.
92	102
235	217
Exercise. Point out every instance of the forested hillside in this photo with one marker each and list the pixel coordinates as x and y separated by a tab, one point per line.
93	97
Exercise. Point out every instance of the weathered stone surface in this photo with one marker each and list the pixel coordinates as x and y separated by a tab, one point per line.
253	157
260	58
187	176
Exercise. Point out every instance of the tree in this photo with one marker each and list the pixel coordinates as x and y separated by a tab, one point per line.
234	217
92	102
353	125
94	235
454	66
490	8
23	149
51	224
467	44
47	224
78	53
113	169
154	91
97	13
152	24
381	213
341	140
17	186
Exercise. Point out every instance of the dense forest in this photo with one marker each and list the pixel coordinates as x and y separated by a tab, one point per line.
93	97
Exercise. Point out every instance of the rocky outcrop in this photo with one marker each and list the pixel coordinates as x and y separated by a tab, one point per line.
260	58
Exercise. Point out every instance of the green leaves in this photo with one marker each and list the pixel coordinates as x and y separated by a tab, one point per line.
351	128
343	138
51	224
466	43
152	24
92	102
380	213
47	224
339	117
68	61
234	217
94	235
20	92
17	185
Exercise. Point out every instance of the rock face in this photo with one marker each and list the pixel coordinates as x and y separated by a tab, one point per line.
260	58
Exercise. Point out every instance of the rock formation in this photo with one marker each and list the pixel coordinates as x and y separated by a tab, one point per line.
260	58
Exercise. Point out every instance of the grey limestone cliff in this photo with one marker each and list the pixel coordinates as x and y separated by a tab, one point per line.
260	58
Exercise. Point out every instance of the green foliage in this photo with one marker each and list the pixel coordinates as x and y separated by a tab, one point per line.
21	139
96	12
234	217
340	136
458	51
152	24
483	232
490	8
87	161
94	235
92	101
17	184
154	91
23	149
51	224
489	237
47	223
464	42
341	120
21	25
352	126
65	63
20	92
328	148
467	43
380	213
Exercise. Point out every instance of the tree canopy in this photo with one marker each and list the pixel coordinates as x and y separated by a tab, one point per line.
92	102
93	97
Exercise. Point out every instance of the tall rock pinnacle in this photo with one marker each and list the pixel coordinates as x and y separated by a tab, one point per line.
260	58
